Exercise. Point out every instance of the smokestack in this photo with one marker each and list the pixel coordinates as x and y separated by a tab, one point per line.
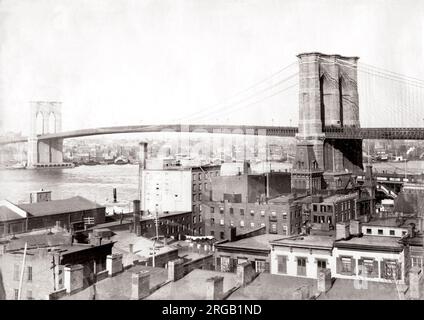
114	195
136	217
141	167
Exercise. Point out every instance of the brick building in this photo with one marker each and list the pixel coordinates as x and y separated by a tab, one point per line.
171	224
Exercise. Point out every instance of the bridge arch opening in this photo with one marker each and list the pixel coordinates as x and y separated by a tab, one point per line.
39	123
52	123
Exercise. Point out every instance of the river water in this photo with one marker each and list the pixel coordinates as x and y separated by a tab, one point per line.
97	182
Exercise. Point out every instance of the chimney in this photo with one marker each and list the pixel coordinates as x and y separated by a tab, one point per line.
411	230
342	231
324	280
114	264
215	288
140	285
131	247
175	269
233	233
355	227
414	283
245	273
143	154
115	197
73	278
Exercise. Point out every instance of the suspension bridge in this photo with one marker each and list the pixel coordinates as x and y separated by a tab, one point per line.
327	88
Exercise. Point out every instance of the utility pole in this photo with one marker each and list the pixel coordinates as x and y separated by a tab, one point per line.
156	238
22	272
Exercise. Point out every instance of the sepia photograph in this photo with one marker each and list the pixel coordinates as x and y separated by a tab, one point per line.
211	150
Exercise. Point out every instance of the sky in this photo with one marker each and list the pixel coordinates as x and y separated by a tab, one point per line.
121	62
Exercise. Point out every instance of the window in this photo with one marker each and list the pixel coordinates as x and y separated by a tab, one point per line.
315	207
260	265
284	215
194	220
346	265
194	187
206	186
391	270
200	187
273	214
392	232
285	230
252	212
301	266
221	222
368	266
194	177
369	231
200	176
321	264
16	268
200	219
200	231
252	224
212	209
380	232
29	269
231	210
241	223
273	228
242	212
212	233
222	235
232	223
221	210
417	262
282	264
200	197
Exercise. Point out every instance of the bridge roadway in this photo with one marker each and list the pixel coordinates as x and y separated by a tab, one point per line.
330	132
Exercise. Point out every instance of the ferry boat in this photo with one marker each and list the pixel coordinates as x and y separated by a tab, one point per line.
121	160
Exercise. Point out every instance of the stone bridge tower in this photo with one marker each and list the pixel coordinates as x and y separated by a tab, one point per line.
328	100
45	118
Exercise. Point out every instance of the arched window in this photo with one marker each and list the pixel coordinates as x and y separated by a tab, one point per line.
39	123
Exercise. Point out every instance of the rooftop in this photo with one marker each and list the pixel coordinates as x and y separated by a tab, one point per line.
119	286
39	239
193	286
73	204
389	222
273	287
261	242
7	214
345	289
338	197
163	215
142	246
321	241
371	242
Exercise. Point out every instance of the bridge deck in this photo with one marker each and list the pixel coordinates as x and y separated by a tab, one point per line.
331	133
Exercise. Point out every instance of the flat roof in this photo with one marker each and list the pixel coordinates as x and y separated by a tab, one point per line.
141	246
260	242
162	215
193	286
338	197
39	240
371	242
273	287
53	207
119	286
389	222
317	241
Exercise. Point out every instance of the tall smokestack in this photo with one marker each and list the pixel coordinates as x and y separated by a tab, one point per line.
141	167
136	217
114	195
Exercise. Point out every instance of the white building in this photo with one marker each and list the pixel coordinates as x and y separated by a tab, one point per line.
302	256
166	190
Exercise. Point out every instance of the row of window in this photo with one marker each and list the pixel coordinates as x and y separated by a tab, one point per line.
380	232
199	187
242	224
252	212
200	175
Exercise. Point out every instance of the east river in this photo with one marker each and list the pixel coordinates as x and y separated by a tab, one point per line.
97	182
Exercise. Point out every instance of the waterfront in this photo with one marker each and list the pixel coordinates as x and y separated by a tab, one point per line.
97	182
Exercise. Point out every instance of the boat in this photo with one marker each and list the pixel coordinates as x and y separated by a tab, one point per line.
91	163
121	160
